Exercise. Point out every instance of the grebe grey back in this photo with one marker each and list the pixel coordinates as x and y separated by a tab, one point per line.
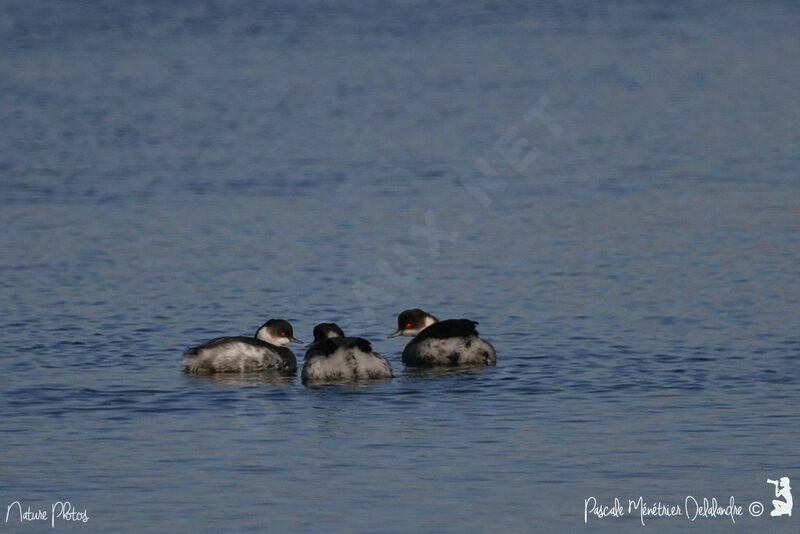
266	351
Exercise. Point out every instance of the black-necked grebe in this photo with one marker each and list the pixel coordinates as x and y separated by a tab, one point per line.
332	357
452	342
266	351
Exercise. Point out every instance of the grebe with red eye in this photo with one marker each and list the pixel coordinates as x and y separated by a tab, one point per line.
266	351
332	357
453	342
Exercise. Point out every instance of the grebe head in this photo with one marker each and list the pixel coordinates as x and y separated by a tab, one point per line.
412	322
277	332
327	330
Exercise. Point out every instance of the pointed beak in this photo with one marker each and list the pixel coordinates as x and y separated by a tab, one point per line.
295	340
398	333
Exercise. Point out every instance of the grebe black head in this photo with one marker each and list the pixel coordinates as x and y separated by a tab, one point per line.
327	330
277	332
412	322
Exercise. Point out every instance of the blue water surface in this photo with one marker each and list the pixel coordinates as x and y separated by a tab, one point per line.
610	188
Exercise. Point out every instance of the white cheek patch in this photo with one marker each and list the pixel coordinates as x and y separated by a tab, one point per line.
414	331
264	335
428	321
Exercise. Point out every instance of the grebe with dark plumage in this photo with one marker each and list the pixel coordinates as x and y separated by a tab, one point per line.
453	342
333	357
266	351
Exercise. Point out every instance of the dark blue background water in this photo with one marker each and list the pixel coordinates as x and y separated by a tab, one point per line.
174	172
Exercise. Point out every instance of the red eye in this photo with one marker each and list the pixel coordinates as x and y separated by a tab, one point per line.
283	334
408	326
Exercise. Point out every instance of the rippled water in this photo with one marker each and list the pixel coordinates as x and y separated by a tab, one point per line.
174	173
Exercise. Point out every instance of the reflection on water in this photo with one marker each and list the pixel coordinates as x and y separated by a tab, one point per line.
175	172
440	372
351	384
245	379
